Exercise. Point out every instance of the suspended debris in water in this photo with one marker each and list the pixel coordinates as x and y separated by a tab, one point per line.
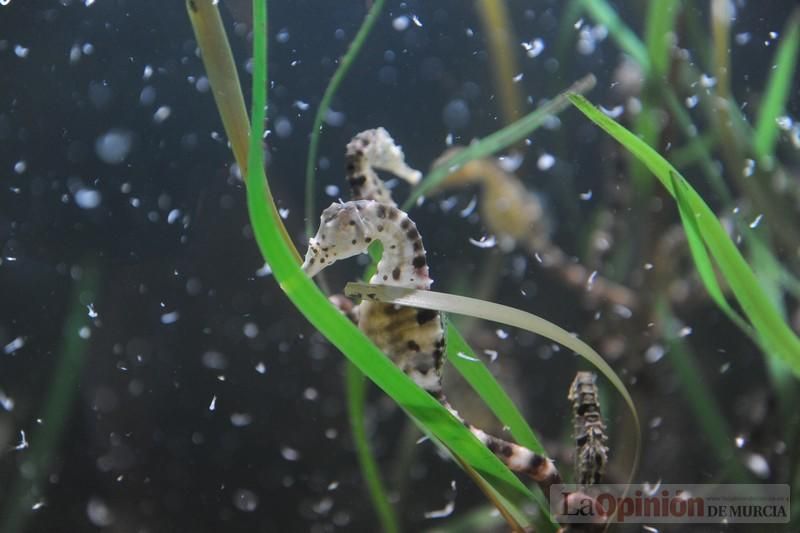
754	224
23	442
401	23
501	334
462	355
98	513
290	454
487	241
261	368
448	509
545	162
14	345
467	211
758	465
245	500
534	47
213	404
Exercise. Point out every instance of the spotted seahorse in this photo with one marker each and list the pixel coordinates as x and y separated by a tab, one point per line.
591	453
412	338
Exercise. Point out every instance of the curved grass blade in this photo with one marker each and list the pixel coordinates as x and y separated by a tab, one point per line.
778	89
324	105
356	396
309	300
503	314
499	139
779	340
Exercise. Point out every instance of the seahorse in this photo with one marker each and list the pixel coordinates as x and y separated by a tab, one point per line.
413	339
591	453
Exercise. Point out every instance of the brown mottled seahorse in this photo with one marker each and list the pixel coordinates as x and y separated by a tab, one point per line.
412	338
591	453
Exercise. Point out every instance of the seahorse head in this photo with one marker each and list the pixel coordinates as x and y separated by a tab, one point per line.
341	235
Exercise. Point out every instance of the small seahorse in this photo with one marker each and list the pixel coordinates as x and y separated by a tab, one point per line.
412	338
591	453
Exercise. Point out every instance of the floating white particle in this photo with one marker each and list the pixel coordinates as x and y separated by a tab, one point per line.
740	441
654	353
466	357
518	77
758	465
148	72
6	402
135	202
650	529
707	81
754	224
162	114
88	198
545	162
795	135
622	311
401	23
586	195
241	420
283	212
534	47
501	333
448	141
492	355
74	54
21	51
510	163
487	241
84	333
38	505
23	442
417	22
261	368
114	146
784	122
283	35
685	331
213	404
283	127
310	394
742	38
578	24
214	360
332	191
87	49
749	168
445	511
14	345
245	500
655	422
5	2
173	216
302	106
290	454
170	318
467	211
98	513
250	330
20	167
333	485
88	3
91	311
590	281
691	101
614	112
724	367
264	271
773	35
202	85
648	266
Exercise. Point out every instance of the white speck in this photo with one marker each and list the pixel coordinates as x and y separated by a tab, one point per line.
38	505
6	402
261	368
578	24
135	202
467	211
202	84
91	311
74	54
586	195
84	333
448	509
283	212
740	441
416	20
283	127
622	311
545	162
290	454
401	23
486	242
310	394
282	36
250	330
590	281
758	465
173	216
332	191
245	500
14	345
148	72
685	331
21	51
98	512
492	355
654	353
88	3
691	101
785	122
88	198
264	271
302	106
614	112
147	96
510	163
333	485
724	367
114	146
749	168
87	49
773	35
650	529
534	47
648	266
518	77
501	333
170	318
214	360
795	135
241	420
5	2
20	167
162	114
335	118
462	355
213	404
742	38
754	224
23	442
448	141
655	422
707	81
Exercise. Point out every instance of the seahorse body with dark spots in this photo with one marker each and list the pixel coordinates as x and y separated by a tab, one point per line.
591	453
412	338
